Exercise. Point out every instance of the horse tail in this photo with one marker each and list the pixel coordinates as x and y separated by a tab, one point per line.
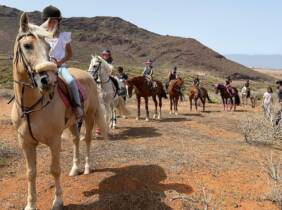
237	99
163	93
100	120
121	106
210	101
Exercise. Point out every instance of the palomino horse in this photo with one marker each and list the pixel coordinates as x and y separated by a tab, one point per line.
196	93
142	89
225	95
174	93
101	71
40	115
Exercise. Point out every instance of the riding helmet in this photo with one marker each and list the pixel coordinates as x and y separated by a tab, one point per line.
51	12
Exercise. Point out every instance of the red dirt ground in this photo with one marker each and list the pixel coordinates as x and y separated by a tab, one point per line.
150	165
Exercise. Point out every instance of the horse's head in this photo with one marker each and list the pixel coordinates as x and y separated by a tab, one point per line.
217	88
31	54
99	68
180	82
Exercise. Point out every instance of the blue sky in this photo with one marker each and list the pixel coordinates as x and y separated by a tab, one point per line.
227	26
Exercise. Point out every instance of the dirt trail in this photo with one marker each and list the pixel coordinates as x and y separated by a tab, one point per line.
150	165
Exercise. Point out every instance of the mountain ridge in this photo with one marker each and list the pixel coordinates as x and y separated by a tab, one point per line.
131	45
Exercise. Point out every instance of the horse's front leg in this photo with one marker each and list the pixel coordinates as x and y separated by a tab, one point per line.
147	109
138	107
114	118
56	172
190	99
231	104
170	99
160	107
176	104
89	124
156	107
223	102
196	104
29	151
74	136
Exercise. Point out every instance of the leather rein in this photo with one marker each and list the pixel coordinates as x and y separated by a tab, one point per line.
27	110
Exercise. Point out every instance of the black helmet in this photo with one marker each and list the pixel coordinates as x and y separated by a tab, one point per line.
106	52
51	12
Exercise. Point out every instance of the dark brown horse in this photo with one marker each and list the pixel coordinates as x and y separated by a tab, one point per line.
174	93
225	95
143	89
195	93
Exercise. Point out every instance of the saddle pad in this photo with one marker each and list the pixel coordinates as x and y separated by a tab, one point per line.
64	93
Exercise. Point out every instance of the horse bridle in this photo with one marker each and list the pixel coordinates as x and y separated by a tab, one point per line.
27	110
95	72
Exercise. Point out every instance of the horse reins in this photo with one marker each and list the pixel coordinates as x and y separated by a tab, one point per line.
98	68
27	110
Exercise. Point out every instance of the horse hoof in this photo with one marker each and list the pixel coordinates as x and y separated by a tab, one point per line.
159	117
154	116
170	113
74	172
28	207
176	113
59	206
147	119
137	118
87	171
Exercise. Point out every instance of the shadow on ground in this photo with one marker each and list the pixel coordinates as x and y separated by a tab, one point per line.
174	119
130	188
136	132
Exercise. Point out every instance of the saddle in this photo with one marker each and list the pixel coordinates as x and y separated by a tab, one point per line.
65	93
119	91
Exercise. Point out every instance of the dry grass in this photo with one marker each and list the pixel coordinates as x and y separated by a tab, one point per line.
273	169
262	129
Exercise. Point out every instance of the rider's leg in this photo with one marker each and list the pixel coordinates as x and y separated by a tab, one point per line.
63	71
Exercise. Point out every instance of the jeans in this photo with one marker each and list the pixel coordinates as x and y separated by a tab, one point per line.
71	82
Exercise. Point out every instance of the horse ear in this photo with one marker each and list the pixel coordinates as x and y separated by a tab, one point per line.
24	23
92	56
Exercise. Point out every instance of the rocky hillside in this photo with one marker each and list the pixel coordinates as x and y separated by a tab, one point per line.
130	45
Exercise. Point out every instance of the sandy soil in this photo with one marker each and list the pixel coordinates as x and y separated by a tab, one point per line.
161	164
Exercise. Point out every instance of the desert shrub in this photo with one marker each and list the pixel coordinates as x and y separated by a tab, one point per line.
262	129
273	169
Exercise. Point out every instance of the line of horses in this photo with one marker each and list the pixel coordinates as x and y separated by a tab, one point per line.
40	115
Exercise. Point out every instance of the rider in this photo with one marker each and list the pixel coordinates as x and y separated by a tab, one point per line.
172	74
107	56
196	81
228	85
61	52
247	85
148	72
122	77
279	89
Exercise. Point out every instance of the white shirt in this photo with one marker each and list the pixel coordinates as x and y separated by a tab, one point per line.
267	98
58	45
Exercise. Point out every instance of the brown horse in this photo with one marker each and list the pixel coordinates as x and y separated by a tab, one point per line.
174	93
143	89
196	93
225	95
